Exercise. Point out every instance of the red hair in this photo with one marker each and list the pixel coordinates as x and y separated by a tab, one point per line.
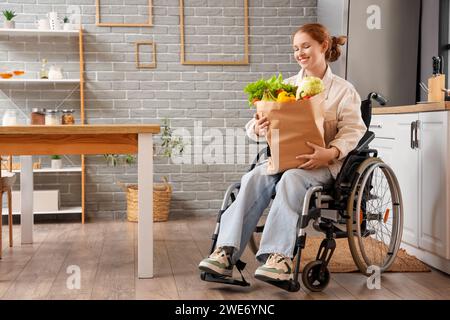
319	33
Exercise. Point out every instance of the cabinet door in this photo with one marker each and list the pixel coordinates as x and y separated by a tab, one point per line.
397	152
406	168
433	223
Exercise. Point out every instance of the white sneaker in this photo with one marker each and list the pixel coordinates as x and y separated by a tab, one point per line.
277	268
219	262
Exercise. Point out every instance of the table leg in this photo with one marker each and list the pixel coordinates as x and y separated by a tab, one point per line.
26	199
145	207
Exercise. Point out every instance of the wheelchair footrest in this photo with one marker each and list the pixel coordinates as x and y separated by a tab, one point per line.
222	279
289	285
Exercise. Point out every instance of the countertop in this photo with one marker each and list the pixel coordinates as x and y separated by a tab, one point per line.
422	107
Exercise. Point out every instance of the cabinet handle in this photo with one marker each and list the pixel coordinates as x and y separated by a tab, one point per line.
413	128
416	143
379	126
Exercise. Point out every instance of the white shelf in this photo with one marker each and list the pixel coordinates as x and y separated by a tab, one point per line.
63	210
28	32
45	170
18	80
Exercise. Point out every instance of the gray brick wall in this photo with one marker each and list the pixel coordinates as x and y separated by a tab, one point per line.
117	92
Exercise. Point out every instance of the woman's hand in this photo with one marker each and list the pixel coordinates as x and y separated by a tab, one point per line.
261	125
321	157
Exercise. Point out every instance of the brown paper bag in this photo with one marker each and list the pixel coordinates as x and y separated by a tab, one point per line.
292	124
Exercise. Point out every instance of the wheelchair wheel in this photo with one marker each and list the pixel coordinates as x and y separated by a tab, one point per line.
376	216
315	277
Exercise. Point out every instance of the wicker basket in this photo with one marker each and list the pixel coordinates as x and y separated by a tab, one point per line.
162	193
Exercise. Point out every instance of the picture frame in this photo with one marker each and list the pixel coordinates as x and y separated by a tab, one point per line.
244	61
106	24
150	65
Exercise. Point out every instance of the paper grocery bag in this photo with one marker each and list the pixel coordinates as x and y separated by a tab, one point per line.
292	124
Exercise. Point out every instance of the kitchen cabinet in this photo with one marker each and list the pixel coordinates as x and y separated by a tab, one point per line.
415	146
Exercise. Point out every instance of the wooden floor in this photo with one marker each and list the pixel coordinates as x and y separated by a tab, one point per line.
106	253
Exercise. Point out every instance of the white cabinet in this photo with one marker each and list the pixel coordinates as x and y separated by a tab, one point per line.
393	142
415	146
434	217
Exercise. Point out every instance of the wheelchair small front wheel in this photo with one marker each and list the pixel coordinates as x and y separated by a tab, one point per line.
315	276
375	223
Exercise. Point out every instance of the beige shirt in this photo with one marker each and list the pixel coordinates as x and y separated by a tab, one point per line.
343	126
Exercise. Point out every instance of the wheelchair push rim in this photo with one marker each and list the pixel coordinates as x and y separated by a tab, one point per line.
376	220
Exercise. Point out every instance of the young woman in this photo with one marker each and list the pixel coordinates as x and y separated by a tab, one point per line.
344	127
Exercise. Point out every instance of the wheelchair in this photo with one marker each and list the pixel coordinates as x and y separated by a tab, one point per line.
364	205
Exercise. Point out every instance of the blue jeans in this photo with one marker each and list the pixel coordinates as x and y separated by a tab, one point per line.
280	231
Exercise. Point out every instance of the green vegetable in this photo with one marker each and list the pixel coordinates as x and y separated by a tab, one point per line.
267	90
310	86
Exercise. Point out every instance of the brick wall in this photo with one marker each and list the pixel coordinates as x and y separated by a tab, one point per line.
117	92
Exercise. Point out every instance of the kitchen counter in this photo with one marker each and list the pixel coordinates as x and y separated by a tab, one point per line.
422	107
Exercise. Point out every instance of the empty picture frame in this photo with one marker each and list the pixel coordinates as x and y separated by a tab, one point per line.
150	65
244	61
98	22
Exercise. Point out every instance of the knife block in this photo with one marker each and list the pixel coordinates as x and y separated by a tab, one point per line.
436	84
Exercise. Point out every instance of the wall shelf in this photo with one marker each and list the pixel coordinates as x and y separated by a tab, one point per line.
50	170
30	32
63	210
58	33
39	81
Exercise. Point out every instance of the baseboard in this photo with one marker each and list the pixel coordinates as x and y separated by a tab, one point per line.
428	258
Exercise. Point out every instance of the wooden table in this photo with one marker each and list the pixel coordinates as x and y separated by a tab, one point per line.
29	140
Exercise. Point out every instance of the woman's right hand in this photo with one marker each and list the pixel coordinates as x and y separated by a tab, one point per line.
261	125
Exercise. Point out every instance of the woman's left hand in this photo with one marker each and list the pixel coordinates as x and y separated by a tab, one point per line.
321	157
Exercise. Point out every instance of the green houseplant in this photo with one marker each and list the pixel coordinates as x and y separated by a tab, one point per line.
170	145
56	161
9	16
67	25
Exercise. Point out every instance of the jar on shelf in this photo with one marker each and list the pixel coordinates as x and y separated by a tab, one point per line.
67	116
9	118
37	116
51	117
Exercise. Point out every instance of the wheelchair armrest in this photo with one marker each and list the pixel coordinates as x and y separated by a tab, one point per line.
364	142
265	151
360	151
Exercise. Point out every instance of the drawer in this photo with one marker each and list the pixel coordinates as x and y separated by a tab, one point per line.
383	126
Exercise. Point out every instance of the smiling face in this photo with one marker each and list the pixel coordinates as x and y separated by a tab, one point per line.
309	53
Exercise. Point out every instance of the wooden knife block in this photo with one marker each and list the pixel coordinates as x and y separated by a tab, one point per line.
435	86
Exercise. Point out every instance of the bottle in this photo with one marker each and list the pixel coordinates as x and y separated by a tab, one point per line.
43	74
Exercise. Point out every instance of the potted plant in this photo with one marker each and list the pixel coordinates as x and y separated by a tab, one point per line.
67	25
9	16
169	145
162	192
56	161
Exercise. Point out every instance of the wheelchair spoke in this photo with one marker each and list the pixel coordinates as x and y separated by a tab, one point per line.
377	228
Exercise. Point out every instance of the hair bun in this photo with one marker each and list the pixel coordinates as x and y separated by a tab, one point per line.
334	50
